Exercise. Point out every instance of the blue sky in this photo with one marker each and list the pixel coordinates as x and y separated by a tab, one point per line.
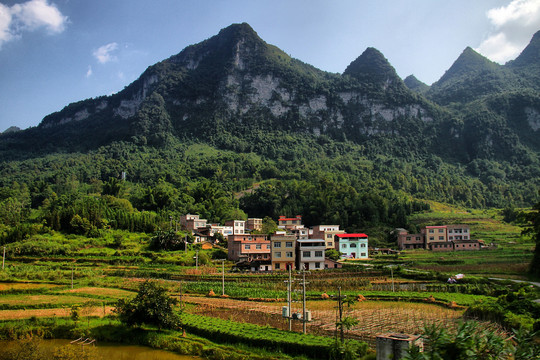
54	52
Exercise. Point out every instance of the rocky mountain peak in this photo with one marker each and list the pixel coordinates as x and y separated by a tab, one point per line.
468	62
416	85
372	65
530	55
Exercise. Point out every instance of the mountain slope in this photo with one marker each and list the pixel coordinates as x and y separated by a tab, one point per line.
416	85
234	83
235	92
470	77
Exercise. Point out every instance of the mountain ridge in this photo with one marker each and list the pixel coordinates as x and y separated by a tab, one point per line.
234	91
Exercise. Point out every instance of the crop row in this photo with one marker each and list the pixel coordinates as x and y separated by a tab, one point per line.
219	330
247	290
461	299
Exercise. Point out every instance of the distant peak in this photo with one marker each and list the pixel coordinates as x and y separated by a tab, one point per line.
414	84
11	129
371	64
238	31
469	61
530	55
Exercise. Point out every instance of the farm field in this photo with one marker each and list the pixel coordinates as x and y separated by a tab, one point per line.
374	317
399	312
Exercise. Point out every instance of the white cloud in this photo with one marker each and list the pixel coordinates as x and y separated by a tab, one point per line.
89	72
5	21
513	27
104	53
35	14
30	16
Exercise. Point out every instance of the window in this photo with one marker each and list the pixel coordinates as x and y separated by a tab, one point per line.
408	238
363	254
247	247
288	244
258	246
306	253
317	265
328	236
318	253
268	247
352	245
362	245
288	254
431	231
432	238
330	244
276	266
277	254
441	237
343	246
418	238
277	244
441	230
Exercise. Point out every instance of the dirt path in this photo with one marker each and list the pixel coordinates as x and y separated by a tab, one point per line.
60	312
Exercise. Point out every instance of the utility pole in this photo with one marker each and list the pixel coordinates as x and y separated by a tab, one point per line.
181	299
340	310
223	277
392	274
304	301
289	297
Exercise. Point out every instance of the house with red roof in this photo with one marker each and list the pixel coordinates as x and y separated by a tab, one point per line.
352	246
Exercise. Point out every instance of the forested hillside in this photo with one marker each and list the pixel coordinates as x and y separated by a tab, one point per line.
233	126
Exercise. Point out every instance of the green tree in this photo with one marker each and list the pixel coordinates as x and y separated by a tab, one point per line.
75	313
166	240
151	306
468	342
332	254
269	226
533	229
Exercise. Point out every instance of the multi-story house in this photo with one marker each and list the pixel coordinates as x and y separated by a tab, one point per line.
352	246
254	224
290	223
435	233
439	238
239	226
300	232
410	241
458	232
192	222
327	233
283	251
248	247
310	254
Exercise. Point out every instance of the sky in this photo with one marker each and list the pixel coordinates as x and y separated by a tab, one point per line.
55	52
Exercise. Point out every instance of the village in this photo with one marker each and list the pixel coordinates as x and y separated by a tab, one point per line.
294	246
